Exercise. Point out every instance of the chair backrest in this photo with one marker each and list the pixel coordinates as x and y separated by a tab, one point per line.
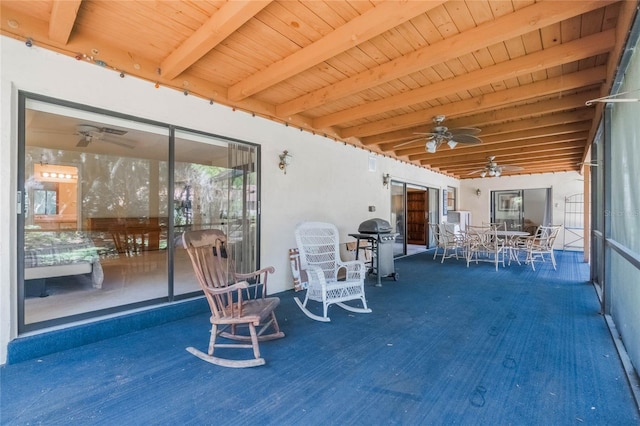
318	245
546	235
128	242
435	231
207	251
448	232
498	226
482	236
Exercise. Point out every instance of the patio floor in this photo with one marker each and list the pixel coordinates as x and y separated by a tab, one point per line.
445	344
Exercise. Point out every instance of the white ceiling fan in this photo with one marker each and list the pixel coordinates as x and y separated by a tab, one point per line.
89	134
442	134
494	170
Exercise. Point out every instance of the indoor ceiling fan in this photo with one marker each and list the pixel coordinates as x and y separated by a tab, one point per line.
442	134
89	133
493	169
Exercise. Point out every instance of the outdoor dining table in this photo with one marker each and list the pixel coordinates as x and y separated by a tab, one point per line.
510	240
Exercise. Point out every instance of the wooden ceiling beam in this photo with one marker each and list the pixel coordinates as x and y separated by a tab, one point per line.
63	17
555	130
512	25
582	48
231	16
569	138
568	157
545	149
539	122
491	100
383	17
509	156
547	106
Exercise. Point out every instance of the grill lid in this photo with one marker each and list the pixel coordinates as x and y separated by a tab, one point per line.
375	226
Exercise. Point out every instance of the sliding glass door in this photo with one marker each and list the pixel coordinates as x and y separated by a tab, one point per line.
105	200
523	209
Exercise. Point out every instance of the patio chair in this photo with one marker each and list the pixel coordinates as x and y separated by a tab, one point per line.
237	301
541	243
435	231
452	243
320	258
482	244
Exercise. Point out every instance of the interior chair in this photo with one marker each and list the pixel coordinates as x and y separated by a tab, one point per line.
129	241
237	301
542	243
320	258
482	244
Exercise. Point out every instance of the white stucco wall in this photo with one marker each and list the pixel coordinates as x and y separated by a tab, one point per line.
326	181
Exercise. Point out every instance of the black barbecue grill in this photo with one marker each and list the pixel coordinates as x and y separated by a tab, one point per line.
380	241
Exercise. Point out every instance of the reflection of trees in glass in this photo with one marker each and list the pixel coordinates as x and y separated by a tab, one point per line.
198	194
122	187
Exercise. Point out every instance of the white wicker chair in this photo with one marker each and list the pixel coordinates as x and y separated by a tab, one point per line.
320	258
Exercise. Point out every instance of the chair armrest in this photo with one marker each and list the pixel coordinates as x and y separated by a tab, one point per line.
260	276
266	270
228	289
315	275
355	269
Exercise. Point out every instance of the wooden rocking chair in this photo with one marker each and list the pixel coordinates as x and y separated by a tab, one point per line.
236	300
320	259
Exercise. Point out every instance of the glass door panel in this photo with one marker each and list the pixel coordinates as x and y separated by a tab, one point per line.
95	217
215	187
398	202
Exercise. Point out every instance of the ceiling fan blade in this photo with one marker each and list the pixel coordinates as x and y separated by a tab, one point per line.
126	143
465	130
112	131
83	142
410	142
468	139
476	171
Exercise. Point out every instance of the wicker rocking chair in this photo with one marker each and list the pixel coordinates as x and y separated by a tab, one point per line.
320	258
236	300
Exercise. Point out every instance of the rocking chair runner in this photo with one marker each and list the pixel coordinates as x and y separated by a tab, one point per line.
234	304
320	258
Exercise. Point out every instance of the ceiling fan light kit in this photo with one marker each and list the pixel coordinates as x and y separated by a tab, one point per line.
440	134
89	134
492	169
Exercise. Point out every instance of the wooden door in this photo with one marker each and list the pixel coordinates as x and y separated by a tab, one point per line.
416	217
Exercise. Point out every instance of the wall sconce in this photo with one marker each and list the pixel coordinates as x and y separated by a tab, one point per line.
385	180
478	192
285	160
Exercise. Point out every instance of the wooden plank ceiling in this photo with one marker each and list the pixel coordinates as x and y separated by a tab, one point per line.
368	73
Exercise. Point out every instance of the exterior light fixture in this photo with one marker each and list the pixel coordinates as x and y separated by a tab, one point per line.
285	160
385	180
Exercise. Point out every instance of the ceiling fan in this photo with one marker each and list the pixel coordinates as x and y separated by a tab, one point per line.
493	169
441	134
90	134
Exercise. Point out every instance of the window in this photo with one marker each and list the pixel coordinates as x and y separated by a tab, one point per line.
45	202
451	198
